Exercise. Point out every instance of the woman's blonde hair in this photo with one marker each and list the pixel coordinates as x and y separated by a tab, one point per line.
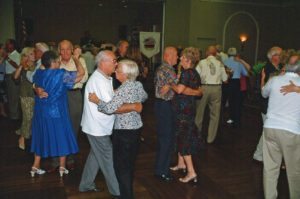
192	54
26	51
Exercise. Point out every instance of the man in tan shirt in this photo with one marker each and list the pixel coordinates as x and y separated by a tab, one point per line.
69	58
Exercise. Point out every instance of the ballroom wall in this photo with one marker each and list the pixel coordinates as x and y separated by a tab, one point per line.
54	20
206	20
187	22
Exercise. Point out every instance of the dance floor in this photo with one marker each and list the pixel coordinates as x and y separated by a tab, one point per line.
225	168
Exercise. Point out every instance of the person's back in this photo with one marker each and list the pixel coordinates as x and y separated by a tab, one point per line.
51	81
283	110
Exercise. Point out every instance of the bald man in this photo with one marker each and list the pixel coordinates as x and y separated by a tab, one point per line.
212	74
165	75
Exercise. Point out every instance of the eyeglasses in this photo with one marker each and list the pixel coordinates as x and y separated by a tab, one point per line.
114	61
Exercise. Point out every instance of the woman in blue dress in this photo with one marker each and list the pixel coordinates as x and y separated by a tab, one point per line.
52	132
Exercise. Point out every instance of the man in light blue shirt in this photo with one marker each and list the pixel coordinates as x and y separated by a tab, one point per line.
239	67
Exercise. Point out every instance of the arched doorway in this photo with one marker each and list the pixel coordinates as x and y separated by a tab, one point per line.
242	23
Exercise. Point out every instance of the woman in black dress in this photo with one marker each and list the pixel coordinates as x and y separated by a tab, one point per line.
185	109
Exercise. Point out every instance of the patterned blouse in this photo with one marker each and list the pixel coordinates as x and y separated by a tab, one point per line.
128	92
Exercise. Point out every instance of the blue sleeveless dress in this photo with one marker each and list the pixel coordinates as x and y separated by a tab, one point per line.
52	131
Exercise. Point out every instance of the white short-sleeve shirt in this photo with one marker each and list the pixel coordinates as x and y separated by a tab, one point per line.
94	122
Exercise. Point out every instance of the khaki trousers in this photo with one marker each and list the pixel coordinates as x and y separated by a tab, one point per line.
212	98
277	145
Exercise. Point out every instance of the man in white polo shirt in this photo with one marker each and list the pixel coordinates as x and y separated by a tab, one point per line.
98	126
281	137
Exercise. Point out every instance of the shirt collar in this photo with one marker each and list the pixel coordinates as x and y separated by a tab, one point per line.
103	74
67	63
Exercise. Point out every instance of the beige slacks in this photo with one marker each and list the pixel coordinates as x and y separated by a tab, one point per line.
279	144
211	97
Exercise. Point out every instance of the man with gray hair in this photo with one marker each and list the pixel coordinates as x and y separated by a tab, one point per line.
281	135
39	50
98	126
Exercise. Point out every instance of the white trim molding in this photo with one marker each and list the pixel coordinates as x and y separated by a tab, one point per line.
256	25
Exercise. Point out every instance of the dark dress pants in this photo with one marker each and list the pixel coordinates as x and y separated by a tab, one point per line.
125	147
165	136
235	97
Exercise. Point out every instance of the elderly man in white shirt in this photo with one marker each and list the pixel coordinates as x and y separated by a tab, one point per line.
212	74
98	126
281	135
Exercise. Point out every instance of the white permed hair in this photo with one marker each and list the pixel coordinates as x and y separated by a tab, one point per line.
273	51
42	46
295	68
129	68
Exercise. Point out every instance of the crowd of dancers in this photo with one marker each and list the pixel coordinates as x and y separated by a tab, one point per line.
62	89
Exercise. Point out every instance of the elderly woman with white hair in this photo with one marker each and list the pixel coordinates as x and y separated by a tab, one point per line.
26	94
127	127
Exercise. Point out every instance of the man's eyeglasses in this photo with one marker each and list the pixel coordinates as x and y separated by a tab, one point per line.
114	61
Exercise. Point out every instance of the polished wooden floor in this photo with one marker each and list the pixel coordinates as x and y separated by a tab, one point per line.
225	169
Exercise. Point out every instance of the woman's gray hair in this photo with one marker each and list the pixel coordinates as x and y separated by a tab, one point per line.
295	68
273	51
129	68
101	56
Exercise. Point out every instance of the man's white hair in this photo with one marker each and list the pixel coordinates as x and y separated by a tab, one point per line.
101	56
42	46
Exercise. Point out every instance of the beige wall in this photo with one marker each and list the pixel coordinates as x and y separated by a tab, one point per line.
7	24
177	22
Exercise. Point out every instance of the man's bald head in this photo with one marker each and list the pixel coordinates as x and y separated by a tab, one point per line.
211	50
170	55
65	49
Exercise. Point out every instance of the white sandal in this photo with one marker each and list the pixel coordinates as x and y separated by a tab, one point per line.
38	171
62	171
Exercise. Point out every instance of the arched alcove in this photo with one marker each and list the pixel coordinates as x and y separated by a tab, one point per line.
242	23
